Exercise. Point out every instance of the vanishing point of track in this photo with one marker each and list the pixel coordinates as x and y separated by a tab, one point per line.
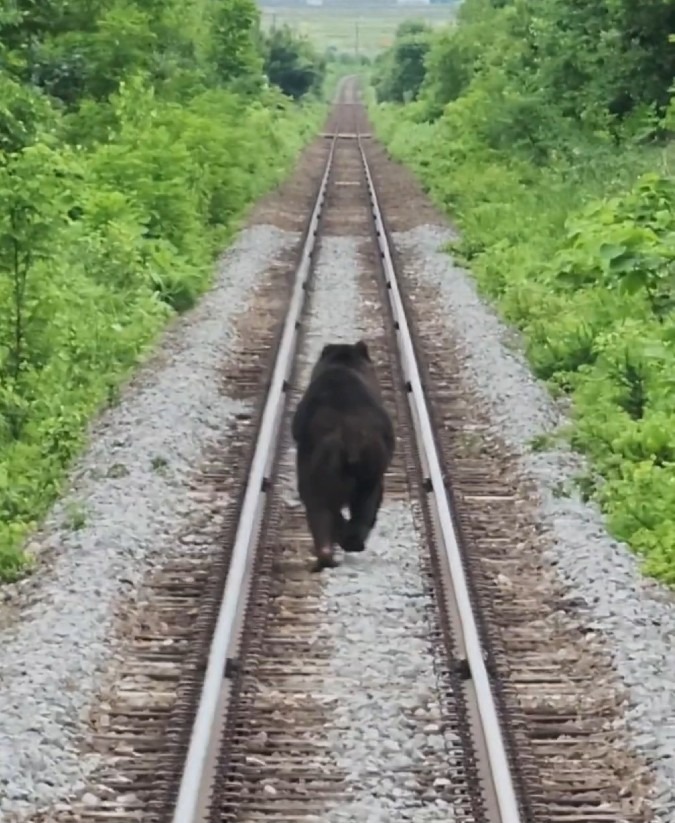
243	739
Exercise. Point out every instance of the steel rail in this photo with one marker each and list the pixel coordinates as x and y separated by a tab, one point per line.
497	755
187	803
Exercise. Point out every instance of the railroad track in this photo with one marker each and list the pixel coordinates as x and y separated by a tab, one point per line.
265	639
255	710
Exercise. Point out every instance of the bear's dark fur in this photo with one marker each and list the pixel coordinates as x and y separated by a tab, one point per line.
345	443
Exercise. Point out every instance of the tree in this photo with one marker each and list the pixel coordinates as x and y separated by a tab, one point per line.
235	39
401	72
292	63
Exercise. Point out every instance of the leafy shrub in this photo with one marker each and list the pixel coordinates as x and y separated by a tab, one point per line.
399	72
123	170
534	128
292	63
235	52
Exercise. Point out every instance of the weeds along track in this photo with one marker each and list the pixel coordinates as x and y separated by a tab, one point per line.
403	685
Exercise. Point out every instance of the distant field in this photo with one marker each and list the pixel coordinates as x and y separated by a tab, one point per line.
363	28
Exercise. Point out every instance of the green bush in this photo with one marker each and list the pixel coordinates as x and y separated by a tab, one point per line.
539	142
292	63
398	73
121	177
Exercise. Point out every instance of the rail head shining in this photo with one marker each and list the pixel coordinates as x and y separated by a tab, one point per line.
192	780
497	756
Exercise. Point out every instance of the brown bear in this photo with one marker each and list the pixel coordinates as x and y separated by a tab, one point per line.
345	443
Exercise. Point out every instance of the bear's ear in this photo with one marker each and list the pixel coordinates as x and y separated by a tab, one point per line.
362	349
327	350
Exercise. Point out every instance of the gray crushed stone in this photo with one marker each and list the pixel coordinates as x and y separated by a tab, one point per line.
386	721
130	493
636	615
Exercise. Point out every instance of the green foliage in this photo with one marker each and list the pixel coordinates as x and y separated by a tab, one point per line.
92	64
589	61
347	59
133	135
399	72
235	49
292	63
534	127
24	114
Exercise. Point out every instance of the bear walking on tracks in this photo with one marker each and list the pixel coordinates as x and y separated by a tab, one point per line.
345	443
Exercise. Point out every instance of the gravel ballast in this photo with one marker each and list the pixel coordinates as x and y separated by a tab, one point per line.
636	616
129	498
374	614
